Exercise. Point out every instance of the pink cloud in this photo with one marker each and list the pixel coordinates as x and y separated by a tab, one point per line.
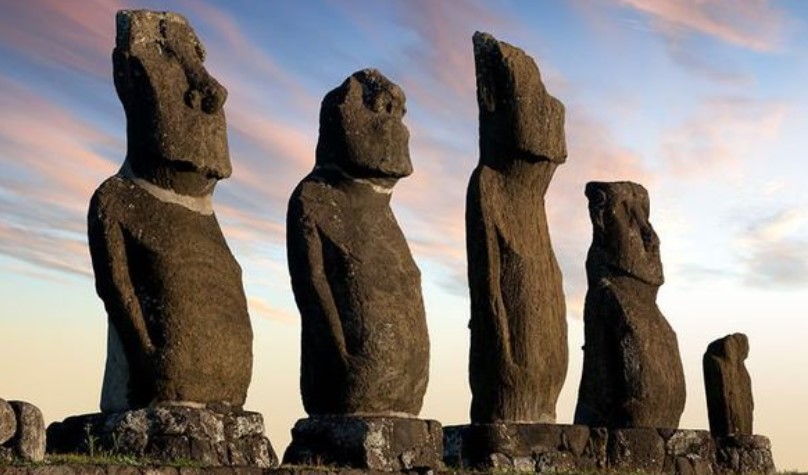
751	24
77	35
722	134
51	167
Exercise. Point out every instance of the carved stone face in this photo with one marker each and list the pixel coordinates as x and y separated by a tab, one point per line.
361	128
173	106
518	118
623	238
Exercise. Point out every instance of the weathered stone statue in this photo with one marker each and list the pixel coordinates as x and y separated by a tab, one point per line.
632	374
365	347
728	386
179	357
518	358
179	331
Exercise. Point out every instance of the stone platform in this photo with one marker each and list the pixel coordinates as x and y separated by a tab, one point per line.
367	442
168	433
553	447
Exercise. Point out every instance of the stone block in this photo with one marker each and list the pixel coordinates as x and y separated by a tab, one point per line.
28	442
744	454
365	442
641	449
524	447
169	433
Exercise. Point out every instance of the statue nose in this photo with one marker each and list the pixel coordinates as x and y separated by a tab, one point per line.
204	92
213	95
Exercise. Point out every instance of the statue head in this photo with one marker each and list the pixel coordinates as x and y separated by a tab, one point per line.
623	241
361	128
734	347
175	120
518	118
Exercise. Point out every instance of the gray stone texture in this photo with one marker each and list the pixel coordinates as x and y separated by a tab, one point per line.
365	347
549	448
518	356
8	421
169	433
179	327
525	447
728	386
372	443
28	440
744	454
632	375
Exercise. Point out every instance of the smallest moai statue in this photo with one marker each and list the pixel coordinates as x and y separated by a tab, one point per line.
728	386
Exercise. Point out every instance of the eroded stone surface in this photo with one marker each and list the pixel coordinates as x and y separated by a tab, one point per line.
524	447
744	454
728	386
28	442
373	443
169	433
518	355
178	323
365	347
8	421
632	374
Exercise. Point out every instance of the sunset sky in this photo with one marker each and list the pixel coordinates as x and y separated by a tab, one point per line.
704	102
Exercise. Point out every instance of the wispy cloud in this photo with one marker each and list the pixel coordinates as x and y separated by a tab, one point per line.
69	34
774	250
752	24
52	163
723	133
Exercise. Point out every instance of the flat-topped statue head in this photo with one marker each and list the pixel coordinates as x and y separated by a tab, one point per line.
176	133
361	129
734	347
518	118
623	242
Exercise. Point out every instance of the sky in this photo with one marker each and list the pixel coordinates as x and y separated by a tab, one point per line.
701	101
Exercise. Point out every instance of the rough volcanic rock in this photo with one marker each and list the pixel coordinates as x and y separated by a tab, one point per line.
8	421
29	439
365	347
518	355
632	374
743	454
178	323
371	443
169	433
728	386
525	447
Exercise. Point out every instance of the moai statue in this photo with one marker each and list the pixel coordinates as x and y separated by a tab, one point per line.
365	347
518	357
632	374
728	386
179	332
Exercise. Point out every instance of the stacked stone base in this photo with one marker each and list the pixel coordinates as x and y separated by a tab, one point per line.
368	443
553	447
168	434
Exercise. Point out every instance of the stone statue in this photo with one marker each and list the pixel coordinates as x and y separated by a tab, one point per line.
365	348
179	331
728	386
518	357
632	374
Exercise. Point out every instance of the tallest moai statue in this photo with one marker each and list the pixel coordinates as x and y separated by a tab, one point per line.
518	358
179	331
179	356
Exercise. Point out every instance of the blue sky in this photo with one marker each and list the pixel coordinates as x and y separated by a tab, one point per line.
703	102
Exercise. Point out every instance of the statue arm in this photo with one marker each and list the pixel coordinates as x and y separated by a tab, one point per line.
108	250
483	243
310	284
